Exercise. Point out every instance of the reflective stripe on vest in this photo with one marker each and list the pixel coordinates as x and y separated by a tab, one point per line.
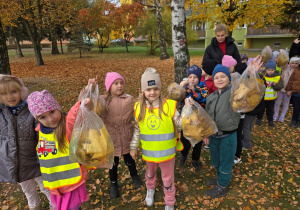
270	93
56	168
158	137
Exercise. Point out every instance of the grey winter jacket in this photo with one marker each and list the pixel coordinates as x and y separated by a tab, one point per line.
219	109
18	140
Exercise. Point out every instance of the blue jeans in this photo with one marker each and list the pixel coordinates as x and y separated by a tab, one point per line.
222	152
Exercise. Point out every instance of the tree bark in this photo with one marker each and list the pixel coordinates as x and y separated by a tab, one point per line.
36	42
54	50
179	43
4	59
61	46
162	42
17	41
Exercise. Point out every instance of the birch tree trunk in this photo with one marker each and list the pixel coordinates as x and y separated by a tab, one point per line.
179	43
4	59
162	42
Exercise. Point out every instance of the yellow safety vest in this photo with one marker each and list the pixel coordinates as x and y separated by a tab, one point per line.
158	136
271	94
56	168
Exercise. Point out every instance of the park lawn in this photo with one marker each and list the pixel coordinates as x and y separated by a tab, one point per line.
268	177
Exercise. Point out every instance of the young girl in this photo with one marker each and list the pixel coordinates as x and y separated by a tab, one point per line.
117	118
64	179
207	69
198	91
156	131
18	159
286	74
223	143
293	88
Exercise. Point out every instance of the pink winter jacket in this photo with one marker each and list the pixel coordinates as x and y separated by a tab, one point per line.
118	120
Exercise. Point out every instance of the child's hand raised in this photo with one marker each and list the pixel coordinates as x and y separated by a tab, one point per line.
88	103
183	83
256	63
92	81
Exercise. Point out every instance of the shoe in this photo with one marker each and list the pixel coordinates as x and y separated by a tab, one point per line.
237	160
210	182
271	124
114	191
216	192
182	160
275	118
169	207
206	147
258	122
150	197
38	207
281	119
137	181
197	165
293	123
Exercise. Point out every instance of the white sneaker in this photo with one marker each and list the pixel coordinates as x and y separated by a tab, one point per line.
206	147
150	197
169	207
237	160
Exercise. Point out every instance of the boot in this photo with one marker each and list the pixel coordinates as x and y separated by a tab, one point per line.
137	181
271	124
216	192
197	165
169	207
150	197
114	191
182	160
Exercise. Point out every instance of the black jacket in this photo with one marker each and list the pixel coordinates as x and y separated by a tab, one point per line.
214	52
295	50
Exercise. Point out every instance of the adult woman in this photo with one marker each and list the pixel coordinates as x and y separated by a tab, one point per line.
221	45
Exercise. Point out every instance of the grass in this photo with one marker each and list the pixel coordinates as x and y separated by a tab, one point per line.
268	177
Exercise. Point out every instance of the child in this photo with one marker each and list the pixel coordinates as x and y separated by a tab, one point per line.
275	55
117	119
244	58
293	88
207	69
273	84
286	73
64	179
229	62
18	159
222	144
198	91
156	131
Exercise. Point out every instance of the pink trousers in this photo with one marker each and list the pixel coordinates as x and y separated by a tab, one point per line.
286	101
167	175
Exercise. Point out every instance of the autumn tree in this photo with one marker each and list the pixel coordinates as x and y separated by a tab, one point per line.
291	18
179	42
126	18
254	13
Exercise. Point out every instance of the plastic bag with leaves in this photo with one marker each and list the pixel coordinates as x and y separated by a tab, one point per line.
176	92
247	92
266	54
90	142
99	102
283	58
196	123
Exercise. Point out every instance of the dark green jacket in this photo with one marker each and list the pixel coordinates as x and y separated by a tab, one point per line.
219	109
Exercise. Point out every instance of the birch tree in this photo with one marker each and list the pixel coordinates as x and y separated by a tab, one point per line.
179	43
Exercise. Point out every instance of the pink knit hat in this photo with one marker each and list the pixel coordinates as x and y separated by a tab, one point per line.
228	61
41	102
111	77
24	90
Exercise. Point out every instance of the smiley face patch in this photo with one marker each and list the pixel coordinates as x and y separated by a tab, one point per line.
153	122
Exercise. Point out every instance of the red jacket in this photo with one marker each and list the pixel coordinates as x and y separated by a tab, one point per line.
209	84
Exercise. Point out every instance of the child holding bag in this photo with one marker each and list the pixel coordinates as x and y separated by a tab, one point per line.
156	132
117	118
18	159
65	179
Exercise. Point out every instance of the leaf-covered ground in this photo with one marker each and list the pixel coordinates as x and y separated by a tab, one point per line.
268	177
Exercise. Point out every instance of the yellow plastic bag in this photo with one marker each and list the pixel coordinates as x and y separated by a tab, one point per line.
283	58
266	54
176	92
196	123
247	91
90	142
